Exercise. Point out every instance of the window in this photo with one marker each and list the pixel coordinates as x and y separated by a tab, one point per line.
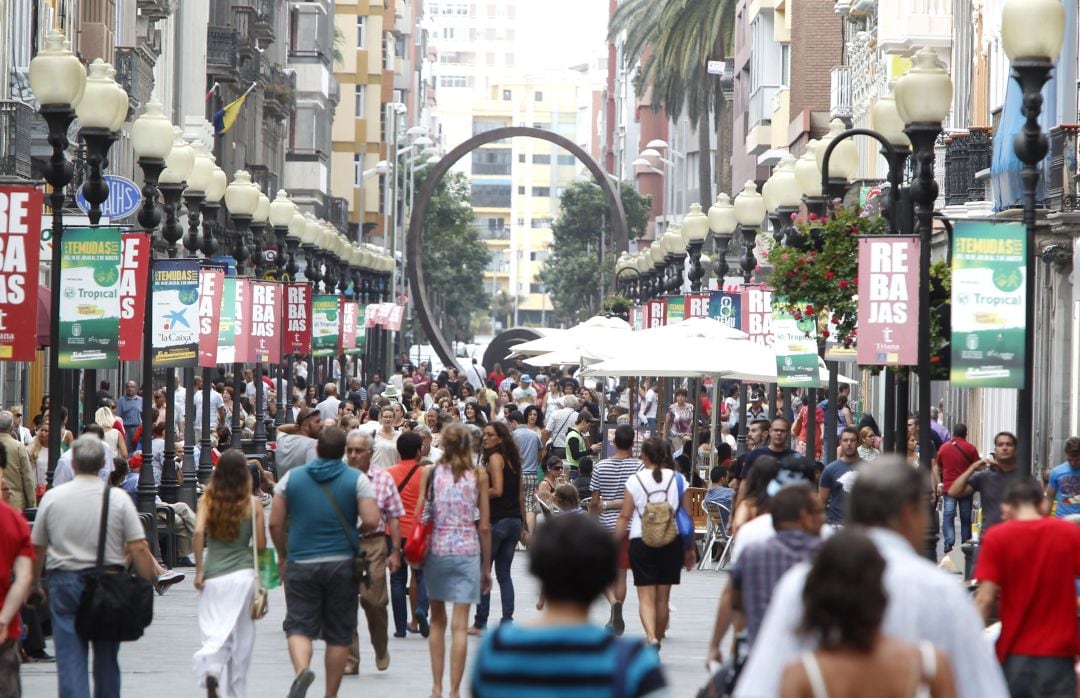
538	257
490	195
541	223
541	124
785	64
453	81
567	160
490	59
448	32
507	95
491	161
523	158
361	31
538	97
521	190
536	288
541	159
360	90
485	125
541	191
358	170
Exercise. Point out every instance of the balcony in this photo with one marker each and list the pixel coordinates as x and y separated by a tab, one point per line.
966	154
135	73
840	104
337	213
265	178
261	17
905	26
16	122
485	233
1061	191
279	91
761	105
221	54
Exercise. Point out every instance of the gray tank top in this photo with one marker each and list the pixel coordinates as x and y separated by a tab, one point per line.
225	556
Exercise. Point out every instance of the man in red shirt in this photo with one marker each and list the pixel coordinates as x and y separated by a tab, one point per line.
953	458
1029	564
16	573
406	475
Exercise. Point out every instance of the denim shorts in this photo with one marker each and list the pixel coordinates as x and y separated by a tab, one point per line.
321	601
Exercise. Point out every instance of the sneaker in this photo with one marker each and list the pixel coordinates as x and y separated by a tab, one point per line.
351	669
40	656
618	626
382	663
398	633
300	684
422	624
475	631
186	562
166	580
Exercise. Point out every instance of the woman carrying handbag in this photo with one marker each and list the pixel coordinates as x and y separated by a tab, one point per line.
230	521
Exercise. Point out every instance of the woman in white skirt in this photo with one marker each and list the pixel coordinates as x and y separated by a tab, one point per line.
226	576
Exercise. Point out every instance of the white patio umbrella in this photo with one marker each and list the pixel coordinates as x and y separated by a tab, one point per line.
565	357
594	332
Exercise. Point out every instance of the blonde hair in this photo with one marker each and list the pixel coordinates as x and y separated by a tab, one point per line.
456	443
105	418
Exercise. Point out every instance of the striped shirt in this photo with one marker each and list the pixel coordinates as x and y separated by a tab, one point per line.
578	661
609	482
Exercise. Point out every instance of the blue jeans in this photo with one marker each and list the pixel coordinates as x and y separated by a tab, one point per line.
504	538
948	518
65	590
399	594
1040	677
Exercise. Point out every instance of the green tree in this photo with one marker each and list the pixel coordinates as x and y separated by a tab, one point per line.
454	257
674	40
573	274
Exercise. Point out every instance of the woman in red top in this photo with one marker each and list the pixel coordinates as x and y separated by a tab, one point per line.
497	374
800	431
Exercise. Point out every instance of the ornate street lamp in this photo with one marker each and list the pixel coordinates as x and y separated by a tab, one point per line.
160	156
242	200
259	233
750	212
211	206
1032	33
102	112
674	258
843	162
808	176
297	226
695	229
786	197
722	223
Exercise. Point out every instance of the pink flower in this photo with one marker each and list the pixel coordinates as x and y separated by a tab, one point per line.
813	216
794	215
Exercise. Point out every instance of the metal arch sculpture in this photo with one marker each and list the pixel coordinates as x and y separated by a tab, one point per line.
416	225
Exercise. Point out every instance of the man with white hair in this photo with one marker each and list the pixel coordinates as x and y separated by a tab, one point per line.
18	472
330	404
557	423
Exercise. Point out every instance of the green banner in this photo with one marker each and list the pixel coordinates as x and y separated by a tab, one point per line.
988	304
361	330
324	325
674	309
795	344
90	298
227	322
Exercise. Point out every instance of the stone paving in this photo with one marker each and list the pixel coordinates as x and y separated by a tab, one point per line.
159	665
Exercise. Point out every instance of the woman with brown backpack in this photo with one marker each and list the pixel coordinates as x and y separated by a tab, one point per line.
650	508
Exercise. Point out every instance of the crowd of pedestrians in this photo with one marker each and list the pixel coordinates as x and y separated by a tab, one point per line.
407	499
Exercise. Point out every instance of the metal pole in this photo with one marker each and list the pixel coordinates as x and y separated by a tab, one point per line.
238	370
170	485
830	415
259	437
741	437
811	420
287	417
888	422
206	462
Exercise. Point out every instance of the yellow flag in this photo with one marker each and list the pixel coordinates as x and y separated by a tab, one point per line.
224	118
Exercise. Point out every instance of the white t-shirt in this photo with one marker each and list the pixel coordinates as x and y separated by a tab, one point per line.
475	375
648	405
69	519
216	403
328	408
755	530
65	472
645	490
524	396
384	453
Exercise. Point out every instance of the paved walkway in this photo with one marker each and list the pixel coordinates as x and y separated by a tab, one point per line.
159	665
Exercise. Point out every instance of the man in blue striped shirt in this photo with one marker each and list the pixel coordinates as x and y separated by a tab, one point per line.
573	557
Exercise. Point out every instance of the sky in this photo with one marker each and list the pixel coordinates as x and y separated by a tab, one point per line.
561	33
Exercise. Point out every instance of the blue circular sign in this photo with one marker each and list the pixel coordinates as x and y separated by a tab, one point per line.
124	198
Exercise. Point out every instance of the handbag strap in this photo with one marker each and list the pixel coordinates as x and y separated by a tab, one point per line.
340	517
408	477
254	544
102	529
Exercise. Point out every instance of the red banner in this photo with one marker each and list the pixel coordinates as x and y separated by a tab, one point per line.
697	306
888	300
133	260
756	308
654	314
347	314
211	282
20	249
265	313
297	318
394	317
244	353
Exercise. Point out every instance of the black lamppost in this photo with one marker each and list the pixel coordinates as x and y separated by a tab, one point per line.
282	213
749	209
1032	34
722	224
165	160
259	232
57	79
695	228
241	199
211	207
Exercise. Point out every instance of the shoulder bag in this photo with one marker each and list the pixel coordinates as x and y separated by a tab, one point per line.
550	445
416	548
683	521
360	561
260	599
114	606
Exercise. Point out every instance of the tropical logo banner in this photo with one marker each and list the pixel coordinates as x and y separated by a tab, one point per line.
89	298
988	304
795	344
175	315
226	353
20	235
674	310
324	339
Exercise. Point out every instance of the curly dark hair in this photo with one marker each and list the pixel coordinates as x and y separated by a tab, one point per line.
658	452
507	447
844	599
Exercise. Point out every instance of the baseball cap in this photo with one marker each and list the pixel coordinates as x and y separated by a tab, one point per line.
526	378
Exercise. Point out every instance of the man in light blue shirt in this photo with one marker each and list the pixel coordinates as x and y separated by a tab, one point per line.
129	410
1064	485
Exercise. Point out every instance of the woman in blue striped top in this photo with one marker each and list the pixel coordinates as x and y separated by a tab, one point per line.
561	653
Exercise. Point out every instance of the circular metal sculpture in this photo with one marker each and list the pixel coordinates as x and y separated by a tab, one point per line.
503	345
416	226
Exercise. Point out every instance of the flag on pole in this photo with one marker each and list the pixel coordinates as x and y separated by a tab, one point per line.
224	118
210	93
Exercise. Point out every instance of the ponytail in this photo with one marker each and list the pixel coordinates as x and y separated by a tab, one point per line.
658	452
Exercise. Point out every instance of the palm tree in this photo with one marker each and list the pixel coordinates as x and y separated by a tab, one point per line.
674	40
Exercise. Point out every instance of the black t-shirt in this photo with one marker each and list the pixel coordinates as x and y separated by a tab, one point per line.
584	486
454	387
752	456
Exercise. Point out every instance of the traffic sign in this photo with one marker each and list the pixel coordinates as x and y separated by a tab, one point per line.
124	198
